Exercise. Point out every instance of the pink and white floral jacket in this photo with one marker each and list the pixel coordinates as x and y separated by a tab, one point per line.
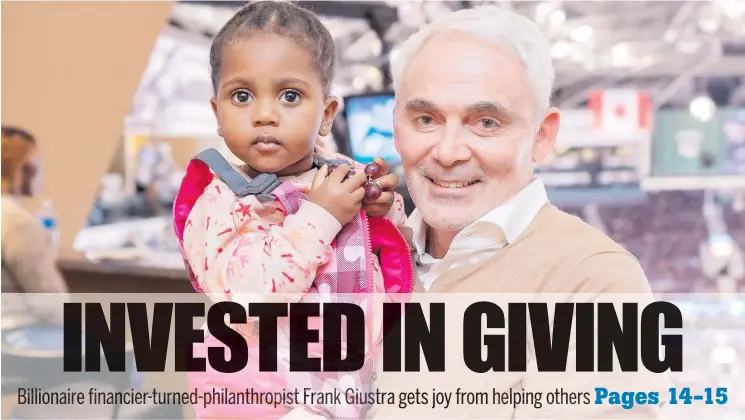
272	243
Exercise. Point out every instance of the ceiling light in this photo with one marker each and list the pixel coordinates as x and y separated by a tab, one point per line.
582	34
710	18
373	77
372	72
558	17
702	108
542	11
561	49
620	55
410	14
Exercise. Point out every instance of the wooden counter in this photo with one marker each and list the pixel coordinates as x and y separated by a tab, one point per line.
87	276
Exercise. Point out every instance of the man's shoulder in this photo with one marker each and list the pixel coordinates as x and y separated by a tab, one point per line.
598	263
577	233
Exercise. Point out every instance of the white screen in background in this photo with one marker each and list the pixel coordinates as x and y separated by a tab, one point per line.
370	122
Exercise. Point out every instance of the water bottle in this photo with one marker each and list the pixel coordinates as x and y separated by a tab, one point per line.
48	217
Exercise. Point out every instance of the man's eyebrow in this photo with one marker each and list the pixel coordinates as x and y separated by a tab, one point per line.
487	107
421	105
480	107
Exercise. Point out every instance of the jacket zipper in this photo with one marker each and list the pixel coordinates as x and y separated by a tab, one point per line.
369	289
368	252
411	260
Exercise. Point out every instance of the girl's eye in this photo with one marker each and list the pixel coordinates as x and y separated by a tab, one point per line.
241	97
290	96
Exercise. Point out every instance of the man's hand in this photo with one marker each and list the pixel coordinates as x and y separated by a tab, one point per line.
387	182
341	198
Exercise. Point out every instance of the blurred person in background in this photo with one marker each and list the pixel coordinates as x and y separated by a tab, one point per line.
33	294
28	262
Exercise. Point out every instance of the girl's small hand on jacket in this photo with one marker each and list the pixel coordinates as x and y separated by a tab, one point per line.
341	198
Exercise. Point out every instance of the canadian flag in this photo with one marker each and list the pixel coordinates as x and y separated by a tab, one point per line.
620	111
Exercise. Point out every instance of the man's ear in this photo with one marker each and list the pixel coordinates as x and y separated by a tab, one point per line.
329	113
213	103
546	137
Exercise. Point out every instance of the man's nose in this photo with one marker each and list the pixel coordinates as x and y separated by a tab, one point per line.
265	113
451	149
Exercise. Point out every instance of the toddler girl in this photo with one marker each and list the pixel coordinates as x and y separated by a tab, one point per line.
292	221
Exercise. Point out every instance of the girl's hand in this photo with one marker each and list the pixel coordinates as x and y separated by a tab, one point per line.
388	183
341	198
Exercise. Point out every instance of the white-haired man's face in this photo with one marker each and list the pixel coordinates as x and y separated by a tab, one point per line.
465	129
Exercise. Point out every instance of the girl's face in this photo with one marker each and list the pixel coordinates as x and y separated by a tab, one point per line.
270	105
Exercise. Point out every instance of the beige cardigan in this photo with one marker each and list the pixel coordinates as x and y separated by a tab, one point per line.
560	257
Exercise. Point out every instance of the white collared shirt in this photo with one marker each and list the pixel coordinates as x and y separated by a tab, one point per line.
481	239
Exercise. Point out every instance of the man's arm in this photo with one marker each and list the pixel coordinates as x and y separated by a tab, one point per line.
610	277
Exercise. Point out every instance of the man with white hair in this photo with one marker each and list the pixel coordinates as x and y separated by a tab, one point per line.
472	118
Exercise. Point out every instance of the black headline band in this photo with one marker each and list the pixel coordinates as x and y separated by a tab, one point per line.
620	334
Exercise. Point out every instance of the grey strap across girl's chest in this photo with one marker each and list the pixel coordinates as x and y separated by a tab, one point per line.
261	186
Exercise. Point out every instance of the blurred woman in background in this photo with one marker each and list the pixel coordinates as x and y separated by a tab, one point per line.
28	262
33	293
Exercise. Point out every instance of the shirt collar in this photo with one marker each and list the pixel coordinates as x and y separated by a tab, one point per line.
511	218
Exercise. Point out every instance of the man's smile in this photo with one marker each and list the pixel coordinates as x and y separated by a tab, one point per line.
452	184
